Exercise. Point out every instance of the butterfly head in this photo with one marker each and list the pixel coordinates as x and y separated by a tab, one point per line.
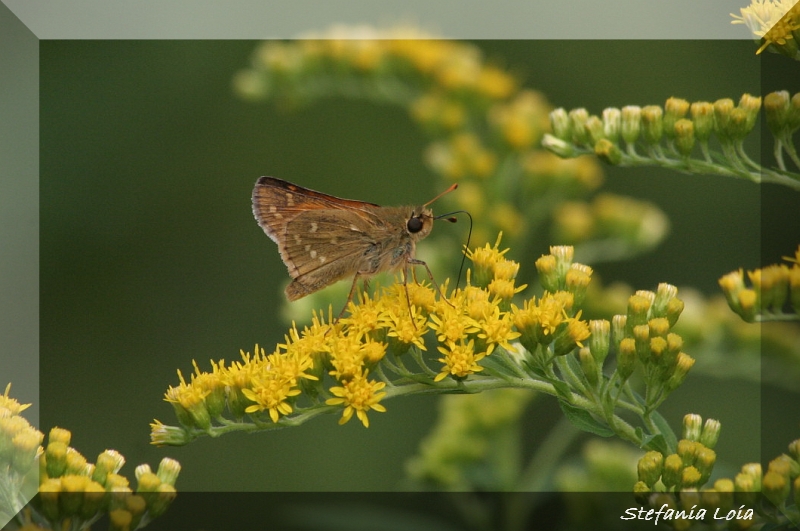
419	223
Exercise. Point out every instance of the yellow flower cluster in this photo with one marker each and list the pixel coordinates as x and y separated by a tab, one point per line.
353	352
19	451
455	68
73	492
774	21
773	287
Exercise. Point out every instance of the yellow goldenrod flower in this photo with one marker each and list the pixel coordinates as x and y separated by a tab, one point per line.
272	395
503	290
451	323
405	327
460	360
189	403
347	357
477	303
358	395
484	260
13	407
496	329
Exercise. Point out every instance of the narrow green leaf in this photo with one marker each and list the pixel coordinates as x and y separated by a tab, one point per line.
583	420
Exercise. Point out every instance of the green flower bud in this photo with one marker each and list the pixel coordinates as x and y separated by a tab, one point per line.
704	461
626	358
650	467
612	124
710	434
738	125
49	492
641	335
560	147
93	499
641	492
168	470
776	110
683	365
59	435
71	498
600	339
684	136
109	462
724	487
751	105
675	109
673	467
608	151
692	425
165	495
794	449
703	116
561	125
652	124
631	123
618	329
579	117
576	281
687	450
722	110
595	130
674	310
549	276
690	477
638	308
119	520
659	327
775	487
56	456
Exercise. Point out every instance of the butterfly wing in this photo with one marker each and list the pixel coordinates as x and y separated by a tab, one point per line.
320	237
276	202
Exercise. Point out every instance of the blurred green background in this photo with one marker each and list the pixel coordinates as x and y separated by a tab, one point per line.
150	256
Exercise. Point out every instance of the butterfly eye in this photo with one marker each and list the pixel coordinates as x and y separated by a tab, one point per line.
414	224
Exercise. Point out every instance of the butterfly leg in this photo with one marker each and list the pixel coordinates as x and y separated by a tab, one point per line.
350	296
413	262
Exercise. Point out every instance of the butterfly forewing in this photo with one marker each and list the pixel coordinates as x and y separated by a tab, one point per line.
318	235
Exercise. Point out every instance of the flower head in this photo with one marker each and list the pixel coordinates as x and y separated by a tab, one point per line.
460	360
358	395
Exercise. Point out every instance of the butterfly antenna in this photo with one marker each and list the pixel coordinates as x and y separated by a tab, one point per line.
450	189
451	219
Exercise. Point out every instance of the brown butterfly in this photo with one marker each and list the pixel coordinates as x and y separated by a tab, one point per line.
323	239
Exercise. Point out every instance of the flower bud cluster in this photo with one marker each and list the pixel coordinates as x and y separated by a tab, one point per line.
73	492
643	338
689	467
678	123
775	291
19	452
